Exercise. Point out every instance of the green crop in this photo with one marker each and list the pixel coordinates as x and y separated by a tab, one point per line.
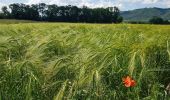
65	61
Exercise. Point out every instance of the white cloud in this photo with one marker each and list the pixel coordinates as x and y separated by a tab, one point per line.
89	3
150	1
34	1
166	3
122	4
140	1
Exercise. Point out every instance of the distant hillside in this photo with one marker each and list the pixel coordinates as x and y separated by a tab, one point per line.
145	14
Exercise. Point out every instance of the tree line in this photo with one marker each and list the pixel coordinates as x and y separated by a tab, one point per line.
54	13
158	20
154	20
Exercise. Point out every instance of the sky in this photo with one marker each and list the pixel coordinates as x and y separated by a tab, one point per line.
123	5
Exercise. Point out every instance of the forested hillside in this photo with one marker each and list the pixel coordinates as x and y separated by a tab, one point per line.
145	14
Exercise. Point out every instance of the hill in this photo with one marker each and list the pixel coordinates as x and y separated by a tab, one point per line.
145	14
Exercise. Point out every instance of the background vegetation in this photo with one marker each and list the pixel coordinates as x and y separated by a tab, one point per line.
153	20
50	61
158	20
54	13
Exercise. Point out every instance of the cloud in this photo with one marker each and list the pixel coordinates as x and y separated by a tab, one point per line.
140	1
165	3
33	1
122	4
89	3
150	1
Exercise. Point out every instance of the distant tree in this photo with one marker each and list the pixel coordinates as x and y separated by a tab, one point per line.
42	9
166	22
116	15
119	19
85	14
5	12
74	14
67	13
16	11
34	13
156	20
1	16
53	13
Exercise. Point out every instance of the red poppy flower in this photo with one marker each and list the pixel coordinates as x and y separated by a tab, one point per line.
129	82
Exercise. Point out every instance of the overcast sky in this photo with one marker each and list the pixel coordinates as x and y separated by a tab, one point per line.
122	4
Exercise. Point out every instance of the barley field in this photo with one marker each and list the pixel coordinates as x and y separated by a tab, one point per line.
69	61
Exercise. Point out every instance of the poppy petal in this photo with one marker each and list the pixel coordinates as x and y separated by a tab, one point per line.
128	82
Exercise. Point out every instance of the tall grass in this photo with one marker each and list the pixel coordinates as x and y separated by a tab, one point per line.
83	61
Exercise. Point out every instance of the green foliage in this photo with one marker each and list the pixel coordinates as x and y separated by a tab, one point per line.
61	61
68	13
158	20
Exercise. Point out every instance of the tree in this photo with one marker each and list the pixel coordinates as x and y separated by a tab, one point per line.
116	15
17	11
156	20
34	12
85	14
42	9
119	19
5	12
43	12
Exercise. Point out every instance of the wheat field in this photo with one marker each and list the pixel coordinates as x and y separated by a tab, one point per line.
71	61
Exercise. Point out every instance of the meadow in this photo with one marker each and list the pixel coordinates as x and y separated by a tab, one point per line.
66	61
